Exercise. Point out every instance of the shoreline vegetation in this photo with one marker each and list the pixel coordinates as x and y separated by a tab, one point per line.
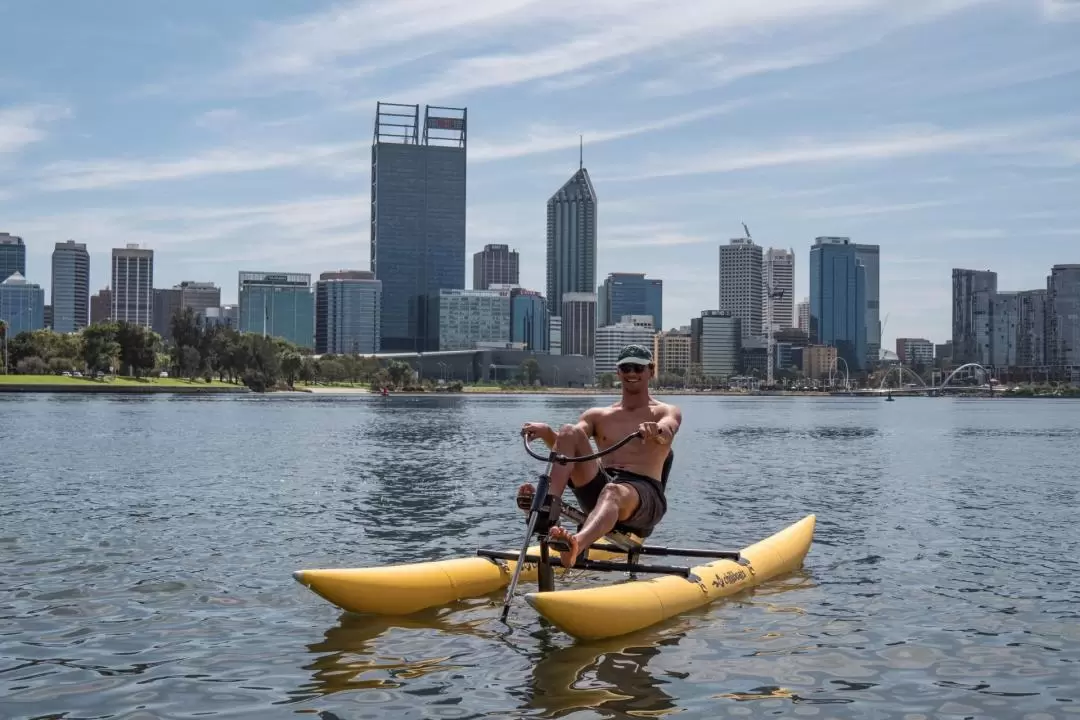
120	357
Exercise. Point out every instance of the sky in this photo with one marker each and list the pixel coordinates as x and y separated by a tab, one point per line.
236	136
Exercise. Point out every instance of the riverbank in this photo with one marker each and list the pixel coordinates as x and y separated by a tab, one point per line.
121	385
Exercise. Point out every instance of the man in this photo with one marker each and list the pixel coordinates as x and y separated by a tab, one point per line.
624	486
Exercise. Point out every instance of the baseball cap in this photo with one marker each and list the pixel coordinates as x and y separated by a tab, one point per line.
634	355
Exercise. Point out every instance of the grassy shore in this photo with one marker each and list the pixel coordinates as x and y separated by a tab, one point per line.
60	383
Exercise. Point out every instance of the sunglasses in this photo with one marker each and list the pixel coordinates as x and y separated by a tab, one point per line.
633	367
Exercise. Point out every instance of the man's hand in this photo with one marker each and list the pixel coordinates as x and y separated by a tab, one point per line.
653	430
543	431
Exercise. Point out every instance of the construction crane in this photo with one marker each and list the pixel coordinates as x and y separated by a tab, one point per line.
770	340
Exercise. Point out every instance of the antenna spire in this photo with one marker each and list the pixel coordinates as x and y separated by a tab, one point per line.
581	152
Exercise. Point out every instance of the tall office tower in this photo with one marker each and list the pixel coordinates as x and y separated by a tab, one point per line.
1063	318
12	256
278	305
973	294
870	257
417	218
199	296
495	265
578	315
70	293
779	275
803	312
740	284
101	306
838	299
529	320
630	294
715	344
347	312
571	242
133	285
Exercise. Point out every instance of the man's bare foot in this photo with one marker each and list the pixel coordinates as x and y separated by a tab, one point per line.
525	496
561	534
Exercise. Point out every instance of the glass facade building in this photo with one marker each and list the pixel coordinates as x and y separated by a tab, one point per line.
624	294
12	256
529	320
571	240
347	305
22	305
838	299
278	305
417	218
468	317
70	287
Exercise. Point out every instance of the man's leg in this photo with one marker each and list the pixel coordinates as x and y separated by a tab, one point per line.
617	503
572	442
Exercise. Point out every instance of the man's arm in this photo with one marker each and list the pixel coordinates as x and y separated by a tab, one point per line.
670	422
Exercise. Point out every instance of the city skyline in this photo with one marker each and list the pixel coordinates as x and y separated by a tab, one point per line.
902	128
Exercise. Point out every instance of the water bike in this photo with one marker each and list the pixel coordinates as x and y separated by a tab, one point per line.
583	613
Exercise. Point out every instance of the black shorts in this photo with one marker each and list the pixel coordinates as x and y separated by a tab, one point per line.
652	505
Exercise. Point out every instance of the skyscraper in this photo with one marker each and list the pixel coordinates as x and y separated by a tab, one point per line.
12	256
838	299
630	294
347	312
1063	316
133	285
70	292
417	218
495	265
278	305
578	315
870	257
571	241
741	290
973	294
779	275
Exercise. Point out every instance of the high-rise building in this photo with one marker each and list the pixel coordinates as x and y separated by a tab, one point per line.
70	292
12	256
973	294
417	218
554	334
779	277
870	257
838	299
468	318
529	320
740	284
133	285
347	306
630	294
22	305
166	305
571	240
578	323
1063	317
495	265
101	306
278	305
671	351
612	338
803	311
716	343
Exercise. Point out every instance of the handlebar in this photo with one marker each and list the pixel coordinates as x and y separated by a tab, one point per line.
563	459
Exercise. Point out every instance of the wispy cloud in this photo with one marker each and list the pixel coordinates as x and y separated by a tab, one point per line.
648	235
541	139
840	211
974	234
24	125
889	144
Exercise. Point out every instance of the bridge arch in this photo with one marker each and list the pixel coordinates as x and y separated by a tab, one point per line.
985	373
901	370
835	365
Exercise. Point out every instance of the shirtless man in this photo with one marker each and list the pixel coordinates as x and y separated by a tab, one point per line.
633	495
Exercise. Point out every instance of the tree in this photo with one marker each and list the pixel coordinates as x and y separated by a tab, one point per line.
530	371
138	347
189	361
101	352
607	380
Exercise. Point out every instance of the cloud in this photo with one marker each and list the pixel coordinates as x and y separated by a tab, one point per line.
840	211
221	161
975	234
1060	10
888	144
23	125
541	139
646	235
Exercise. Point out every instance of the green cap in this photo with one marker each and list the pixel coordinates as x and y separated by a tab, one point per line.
634	355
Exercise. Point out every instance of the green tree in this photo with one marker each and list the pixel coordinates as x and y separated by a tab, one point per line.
530	371
138	348
607	380
101	352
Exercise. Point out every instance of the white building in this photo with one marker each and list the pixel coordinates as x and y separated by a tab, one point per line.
779	275
803	312
468	317
133	285
915	351
741	283
554	335
610	339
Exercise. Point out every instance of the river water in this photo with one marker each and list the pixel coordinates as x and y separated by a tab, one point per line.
147	546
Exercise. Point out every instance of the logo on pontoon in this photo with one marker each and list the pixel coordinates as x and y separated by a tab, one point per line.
728	578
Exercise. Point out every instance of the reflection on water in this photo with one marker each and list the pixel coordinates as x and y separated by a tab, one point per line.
147	545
